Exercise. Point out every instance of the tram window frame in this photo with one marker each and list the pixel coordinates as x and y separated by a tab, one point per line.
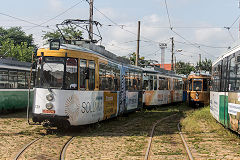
232	69
102	76
190	84
12	79
161	83
205	84
22	77
116	78
237	71
127	80
91	80
82	74
151	82
4	80
155	83
46	80
146	82
71	79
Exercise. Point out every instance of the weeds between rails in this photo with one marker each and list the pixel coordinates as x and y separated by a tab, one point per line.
147	154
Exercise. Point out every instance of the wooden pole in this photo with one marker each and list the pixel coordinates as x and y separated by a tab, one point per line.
91	21
172	39
138	43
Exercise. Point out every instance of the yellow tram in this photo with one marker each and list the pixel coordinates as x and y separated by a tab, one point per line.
198	92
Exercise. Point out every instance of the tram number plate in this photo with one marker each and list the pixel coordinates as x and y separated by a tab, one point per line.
48	111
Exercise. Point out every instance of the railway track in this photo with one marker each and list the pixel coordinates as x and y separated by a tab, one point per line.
150	140
32	143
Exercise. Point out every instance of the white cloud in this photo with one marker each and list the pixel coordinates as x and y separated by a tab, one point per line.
55	4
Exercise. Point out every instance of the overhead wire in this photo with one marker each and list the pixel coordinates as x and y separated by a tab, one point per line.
171	28
58	14
120	26
208	46
23	20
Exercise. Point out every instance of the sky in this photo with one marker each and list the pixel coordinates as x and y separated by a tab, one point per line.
198	26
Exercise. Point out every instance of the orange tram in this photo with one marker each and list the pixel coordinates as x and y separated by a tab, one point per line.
198	92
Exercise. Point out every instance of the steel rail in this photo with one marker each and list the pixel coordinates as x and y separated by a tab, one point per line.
151	135
63	151
25	147
185	143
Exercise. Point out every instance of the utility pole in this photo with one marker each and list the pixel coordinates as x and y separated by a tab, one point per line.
200	61
239	22
91	20
138	41
172	39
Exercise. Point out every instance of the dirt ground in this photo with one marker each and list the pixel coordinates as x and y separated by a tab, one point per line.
16	133
119	138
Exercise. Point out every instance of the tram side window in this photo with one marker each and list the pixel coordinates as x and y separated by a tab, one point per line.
190	85
102	76
71	74
12	79
22	79
161	83
132	82
109	76
232	75
155	82
127	80
91	81
135	81
4	78
205	84
145	82
238	77
151	83
116	79
83	74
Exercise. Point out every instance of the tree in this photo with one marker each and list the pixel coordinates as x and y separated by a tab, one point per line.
205	65
15	43
17	35
132	58
70	33
184	68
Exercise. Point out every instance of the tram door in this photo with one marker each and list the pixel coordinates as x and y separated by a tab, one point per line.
122	96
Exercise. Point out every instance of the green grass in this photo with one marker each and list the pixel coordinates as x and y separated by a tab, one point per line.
201	120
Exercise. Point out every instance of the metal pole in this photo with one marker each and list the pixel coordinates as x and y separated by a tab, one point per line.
172	53
175	63
138	41
91	20
200	61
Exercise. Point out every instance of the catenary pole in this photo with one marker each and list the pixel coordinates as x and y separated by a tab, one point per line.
138	44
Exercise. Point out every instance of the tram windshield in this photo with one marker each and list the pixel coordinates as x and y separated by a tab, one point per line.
197	85
52	72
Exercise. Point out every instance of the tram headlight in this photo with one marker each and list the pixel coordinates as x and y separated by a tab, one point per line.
49	97
49	105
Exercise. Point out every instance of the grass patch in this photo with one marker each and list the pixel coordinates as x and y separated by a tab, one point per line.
201	120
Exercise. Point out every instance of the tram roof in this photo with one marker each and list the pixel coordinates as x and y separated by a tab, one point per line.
12	63
234	49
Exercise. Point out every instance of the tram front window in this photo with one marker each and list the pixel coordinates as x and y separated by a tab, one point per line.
53	70
197	85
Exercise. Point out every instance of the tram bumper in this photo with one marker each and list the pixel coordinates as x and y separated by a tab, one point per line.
51	120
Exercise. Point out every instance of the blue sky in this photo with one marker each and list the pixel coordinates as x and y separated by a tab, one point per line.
196	21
